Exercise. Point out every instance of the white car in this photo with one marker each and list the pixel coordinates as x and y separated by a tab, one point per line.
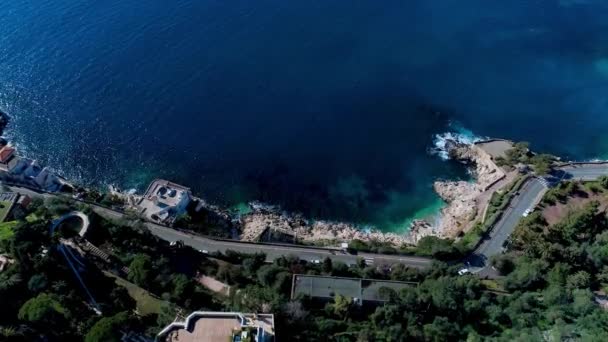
464	271
316	261
204	251
527	212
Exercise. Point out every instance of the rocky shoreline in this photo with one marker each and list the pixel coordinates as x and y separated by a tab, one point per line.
464	203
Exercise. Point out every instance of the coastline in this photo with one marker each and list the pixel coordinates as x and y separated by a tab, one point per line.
462	204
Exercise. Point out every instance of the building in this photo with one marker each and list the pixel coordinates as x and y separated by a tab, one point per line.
12	204
210	326
362	291
164	201
6	153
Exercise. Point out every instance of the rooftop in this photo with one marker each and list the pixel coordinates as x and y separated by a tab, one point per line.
221	327
6	153
328	287
164	200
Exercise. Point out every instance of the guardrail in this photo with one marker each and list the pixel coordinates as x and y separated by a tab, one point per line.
599	162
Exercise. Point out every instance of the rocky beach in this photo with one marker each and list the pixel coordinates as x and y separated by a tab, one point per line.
465	203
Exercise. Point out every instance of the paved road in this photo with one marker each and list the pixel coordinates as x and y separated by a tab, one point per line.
529	195
584	171
85	222
272	251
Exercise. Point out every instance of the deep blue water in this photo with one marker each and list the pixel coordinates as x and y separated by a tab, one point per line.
324	106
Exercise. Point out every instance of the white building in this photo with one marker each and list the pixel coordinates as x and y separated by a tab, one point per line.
164	201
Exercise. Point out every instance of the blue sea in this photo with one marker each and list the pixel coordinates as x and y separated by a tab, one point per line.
327	107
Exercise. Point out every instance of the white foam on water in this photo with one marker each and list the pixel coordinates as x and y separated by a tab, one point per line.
459	134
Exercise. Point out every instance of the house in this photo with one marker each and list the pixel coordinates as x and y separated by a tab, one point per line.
6	153
211	326
164	201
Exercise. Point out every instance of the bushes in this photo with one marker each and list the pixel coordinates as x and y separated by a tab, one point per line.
603	182
374	246
139	269
438	248
108	329
561	192
42	308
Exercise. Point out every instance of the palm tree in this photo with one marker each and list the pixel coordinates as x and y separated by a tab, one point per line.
7	282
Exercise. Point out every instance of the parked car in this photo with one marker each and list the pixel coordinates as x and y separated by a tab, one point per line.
463	271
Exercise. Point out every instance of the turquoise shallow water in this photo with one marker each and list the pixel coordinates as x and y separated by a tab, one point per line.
324	106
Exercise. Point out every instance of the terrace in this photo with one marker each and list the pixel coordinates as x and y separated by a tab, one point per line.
164	201
221	327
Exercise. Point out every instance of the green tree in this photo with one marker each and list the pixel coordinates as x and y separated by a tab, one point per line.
327	265
603	182
598	251
341	306
37	283
503	263
42	308
139	269
579	280
442	329
183	220
108	329
438	248
528	274
541	163
266	275
180	286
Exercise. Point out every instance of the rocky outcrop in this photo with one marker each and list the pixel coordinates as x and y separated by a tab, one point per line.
255	223
463	198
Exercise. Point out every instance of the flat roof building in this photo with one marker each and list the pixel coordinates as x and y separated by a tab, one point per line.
6	153
164	201
210	326
360	290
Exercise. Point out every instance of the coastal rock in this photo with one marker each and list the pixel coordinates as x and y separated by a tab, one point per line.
254	224
465	199
420	229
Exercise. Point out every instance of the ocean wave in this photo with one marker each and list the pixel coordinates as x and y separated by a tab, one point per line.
459	134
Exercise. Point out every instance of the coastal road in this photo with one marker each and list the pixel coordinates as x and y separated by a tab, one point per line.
529	195
585	172
272	251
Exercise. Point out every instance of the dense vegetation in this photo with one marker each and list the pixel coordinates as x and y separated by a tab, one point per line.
552	276
520	154
42	299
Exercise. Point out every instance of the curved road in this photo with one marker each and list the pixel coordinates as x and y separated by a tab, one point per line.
272	251
528	197
85	222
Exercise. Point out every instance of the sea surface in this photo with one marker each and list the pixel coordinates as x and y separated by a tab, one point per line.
328	107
